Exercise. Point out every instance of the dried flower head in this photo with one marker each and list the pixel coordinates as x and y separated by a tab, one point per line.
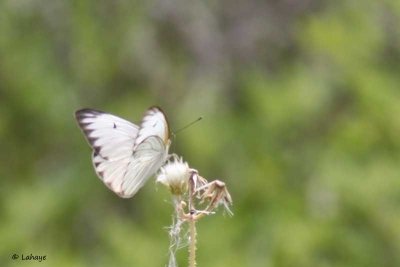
216	193
175	175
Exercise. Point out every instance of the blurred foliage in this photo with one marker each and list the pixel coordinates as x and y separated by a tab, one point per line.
301	105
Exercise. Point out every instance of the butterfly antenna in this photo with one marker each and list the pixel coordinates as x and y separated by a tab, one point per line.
173	134
190	124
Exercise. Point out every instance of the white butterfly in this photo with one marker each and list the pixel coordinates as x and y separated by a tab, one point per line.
125	155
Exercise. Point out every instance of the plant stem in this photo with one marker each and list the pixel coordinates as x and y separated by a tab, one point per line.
192	242
192	225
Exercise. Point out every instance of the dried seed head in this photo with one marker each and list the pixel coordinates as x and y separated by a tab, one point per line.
175	175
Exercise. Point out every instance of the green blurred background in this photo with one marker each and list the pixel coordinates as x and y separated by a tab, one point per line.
301	119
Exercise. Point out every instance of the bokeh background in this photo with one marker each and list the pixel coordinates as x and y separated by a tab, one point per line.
301	106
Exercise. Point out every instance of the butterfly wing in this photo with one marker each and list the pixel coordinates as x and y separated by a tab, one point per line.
112	140
150	151
154	123
148	157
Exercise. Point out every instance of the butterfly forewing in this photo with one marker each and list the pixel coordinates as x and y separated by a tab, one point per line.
112	139
154	123
108	135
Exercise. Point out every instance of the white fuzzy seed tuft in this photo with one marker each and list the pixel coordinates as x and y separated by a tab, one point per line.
175	175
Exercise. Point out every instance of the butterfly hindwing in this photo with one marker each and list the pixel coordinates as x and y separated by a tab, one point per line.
148	157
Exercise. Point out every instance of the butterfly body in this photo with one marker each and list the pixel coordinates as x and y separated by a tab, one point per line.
125	155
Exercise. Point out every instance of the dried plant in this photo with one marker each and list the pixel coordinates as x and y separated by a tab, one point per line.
193	198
